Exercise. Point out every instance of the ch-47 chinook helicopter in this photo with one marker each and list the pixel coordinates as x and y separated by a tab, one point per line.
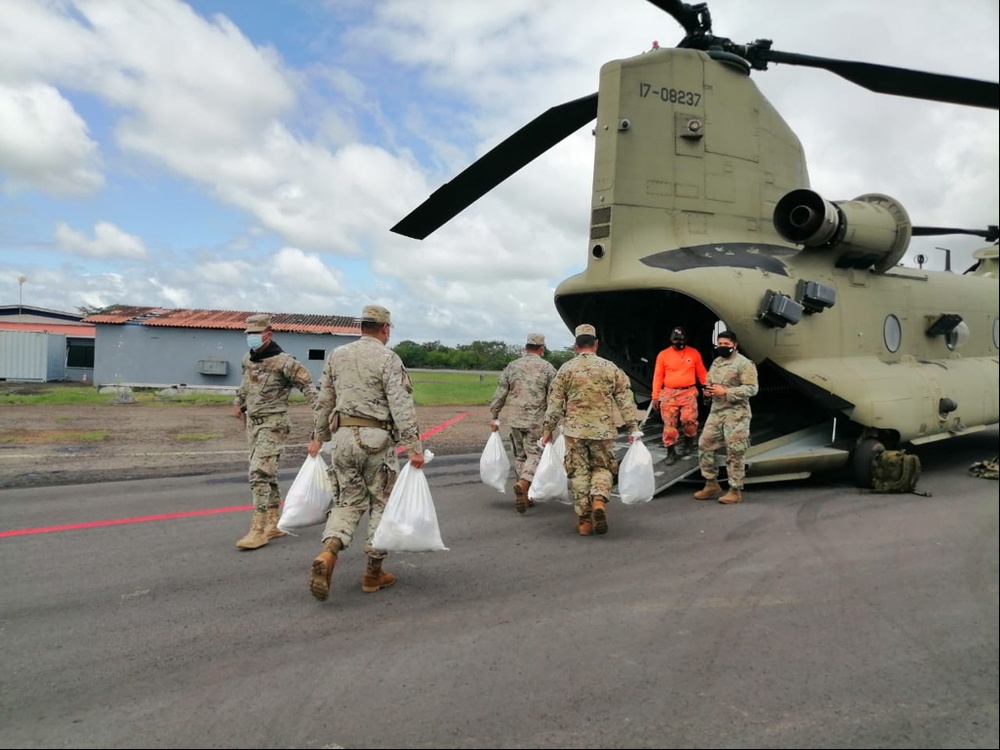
702	215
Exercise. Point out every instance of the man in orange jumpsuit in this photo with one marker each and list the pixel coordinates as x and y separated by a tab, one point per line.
678	369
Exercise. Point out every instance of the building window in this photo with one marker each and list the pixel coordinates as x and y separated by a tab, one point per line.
317	354
79	353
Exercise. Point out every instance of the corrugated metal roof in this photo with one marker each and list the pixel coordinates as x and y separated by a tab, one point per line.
7	311
76	330
228	320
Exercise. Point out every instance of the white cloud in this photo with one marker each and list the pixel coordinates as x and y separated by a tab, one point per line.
302	272
108	242
322	157
44	143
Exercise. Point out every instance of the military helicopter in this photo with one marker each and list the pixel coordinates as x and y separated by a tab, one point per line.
702	214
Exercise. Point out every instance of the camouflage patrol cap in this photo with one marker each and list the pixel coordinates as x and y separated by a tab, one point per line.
585	329
258	323
375	314
536	339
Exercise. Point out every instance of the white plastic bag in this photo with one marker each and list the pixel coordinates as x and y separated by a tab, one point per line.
409	522
551	482
309	498
636	483
494	466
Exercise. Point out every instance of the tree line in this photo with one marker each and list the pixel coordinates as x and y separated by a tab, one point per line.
479	355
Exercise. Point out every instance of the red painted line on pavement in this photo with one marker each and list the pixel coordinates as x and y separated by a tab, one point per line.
184	514
116	521
437	429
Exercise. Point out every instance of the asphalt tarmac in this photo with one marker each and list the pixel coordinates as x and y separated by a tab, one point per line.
811	615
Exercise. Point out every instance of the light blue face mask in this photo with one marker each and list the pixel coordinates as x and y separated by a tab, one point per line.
255	340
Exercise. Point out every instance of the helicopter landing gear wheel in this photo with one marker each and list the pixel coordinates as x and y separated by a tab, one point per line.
863	461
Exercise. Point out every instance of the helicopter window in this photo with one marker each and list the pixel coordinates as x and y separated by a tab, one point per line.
892	332
957	336
719	327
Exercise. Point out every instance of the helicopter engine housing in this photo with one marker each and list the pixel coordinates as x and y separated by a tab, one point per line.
872	230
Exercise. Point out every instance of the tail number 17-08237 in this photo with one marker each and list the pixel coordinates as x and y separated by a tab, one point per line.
671	95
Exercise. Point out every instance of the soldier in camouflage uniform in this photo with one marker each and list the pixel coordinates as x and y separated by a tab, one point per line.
269	374
365	408
523	387
582	397
731	382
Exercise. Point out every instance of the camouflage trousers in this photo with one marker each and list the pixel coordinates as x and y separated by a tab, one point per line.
729	432
363	468
266	440
591	467
524	445
682	404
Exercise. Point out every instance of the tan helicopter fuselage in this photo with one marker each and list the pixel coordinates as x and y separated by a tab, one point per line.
691	162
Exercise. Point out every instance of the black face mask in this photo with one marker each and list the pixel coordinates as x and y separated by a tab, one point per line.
678	344
724	351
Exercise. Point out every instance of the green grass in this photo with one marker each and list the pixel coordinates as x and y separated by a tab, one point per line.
430	388
453	388
60	436
195	436
57	394
188	399
91	436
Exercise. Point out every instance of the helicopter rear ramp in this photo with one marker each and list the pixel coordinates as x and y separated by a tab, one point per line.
787	457
796	455
664	475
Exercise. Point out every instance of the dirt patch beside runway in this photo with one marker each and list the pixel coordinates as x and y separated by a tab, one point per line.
43	445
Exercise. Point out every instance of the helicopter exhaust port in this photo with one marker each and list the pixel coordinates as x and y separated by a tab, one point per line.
873	230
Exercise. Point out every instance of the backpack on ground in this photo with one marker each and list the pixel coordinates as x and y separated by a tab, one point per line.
896	471
986	469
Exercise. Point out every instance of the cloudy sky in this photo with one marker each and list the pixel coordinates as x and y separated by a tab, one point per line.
252	155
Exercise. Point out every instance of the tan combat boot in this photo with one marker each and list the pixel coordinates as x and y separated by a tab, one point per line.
322	569
735	495
600	514
712	489
375	578
271	527
256	537
584	525
521	495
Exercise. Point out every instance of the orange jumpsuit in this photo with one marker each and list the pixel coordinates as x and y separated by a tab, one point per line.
674	378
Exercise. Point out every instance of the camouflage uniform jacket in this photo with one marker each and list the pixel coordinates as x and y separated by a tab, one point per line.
739	375
367	379
524	388
268	381
582	396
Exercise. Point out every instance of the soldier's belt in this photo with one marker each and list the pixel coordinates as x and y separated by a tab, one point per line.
261	419
347	421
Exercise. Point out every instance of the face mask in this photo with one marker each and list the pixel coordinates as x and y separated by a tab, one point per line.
678	344
255	340
724	351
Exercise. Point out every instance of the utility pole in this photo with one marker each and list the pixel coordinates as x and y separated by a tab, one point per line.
20	295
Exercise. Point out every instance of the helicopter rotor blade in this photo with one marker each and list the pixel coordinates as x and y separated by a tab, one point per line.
527	144
688	16
885	79
990	234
